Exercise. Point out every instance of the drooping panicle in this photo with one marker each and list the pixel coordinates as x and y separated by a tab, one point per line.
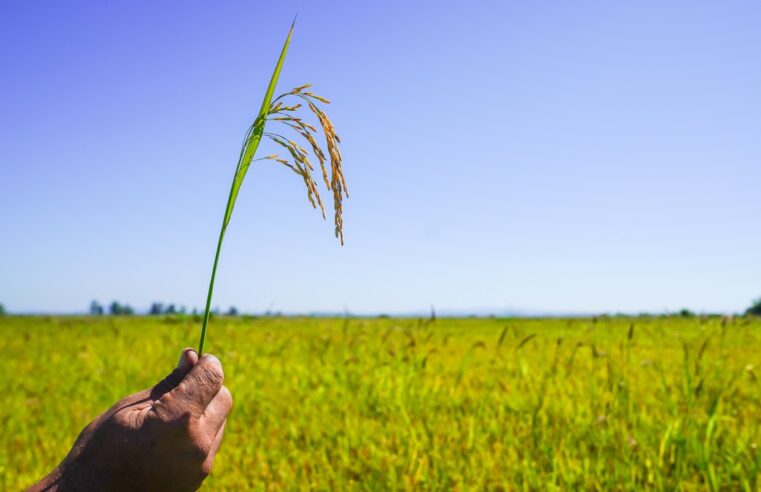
299	163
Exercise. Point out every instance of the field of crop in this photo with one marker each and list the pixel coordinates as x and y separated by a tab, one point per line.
389	404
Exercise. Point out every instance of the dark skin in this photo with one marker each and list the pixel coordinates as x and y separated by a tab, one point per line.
163	438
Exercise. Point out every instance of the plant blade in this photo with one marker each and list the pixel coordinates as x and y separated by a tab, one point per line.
250	144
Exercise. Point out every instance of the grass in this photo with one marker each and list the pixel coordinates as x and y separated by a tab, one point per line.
390	404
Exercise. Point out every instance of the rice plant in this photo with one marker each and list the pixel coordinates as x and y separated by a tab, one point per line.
394	404
285	111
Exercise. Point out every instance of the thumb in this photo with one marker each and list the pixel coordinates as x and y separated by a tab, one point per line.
188	359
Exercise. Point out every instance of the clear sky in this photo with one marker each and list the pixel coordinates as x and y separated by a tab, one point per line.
541	156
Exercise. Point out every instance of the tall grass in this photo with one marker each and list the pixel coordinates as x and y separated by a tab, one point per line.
279	111
396	404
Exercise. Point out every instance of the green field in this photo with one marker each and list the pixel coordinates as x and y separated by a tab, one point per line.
390	404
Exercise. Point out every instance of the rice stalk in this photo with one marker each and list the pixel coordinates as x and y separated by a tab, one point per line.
284	110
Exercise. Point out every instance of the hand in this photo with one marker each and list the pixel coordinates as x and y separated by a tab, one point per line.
163	438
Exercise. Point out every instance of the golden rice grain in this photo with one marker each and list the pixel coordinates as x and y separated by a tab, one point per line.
300	164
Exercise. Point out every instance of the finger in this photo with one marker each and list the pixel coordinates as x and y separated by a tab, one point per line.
188	359
209	461
215	414
197	389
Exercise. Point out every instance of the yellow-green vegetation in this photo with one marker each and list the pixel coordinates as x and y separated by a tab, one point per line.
389	404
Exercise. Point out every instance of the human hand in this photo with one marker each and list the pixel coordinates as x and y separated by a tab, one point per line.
164	438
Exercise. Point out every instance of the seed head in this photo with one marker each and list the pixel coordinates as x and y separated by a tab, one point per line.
299	163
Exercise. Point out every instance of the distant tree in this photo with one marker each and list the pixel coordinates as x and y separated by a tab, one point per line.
117	309
156	309
233	311
96	308
686	313
755	308
170	309
2	310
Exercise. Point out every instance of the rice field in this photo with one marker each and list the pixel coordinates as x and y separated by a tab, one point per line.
661	403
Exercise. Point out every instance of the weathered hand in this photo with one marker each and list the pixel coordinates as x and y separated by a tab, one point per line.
163	438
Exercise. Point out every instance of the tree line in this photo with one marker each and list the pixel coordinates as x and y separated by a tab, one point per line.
159	309
156	309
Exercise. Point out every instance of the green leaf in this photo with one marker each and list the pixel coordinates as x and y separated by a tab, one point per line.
254	136
250	144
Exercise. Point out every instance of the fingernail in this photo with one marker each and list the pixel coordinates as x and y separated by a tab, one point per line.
212	358
184	361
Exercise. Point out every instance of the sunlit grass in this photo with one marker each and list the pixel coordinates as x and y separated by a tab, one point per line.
388	404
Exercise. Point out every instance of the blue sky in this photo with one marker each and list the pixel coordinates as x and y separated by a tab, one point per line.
540	156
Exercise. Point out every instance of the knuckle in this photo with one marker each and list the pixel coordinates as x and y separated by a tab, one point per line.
166	400
159	407
182	387
126	419
163	409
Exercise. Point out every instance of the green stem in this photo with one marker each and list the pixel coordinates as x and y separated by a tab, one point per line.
225	221
250	144
211	290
